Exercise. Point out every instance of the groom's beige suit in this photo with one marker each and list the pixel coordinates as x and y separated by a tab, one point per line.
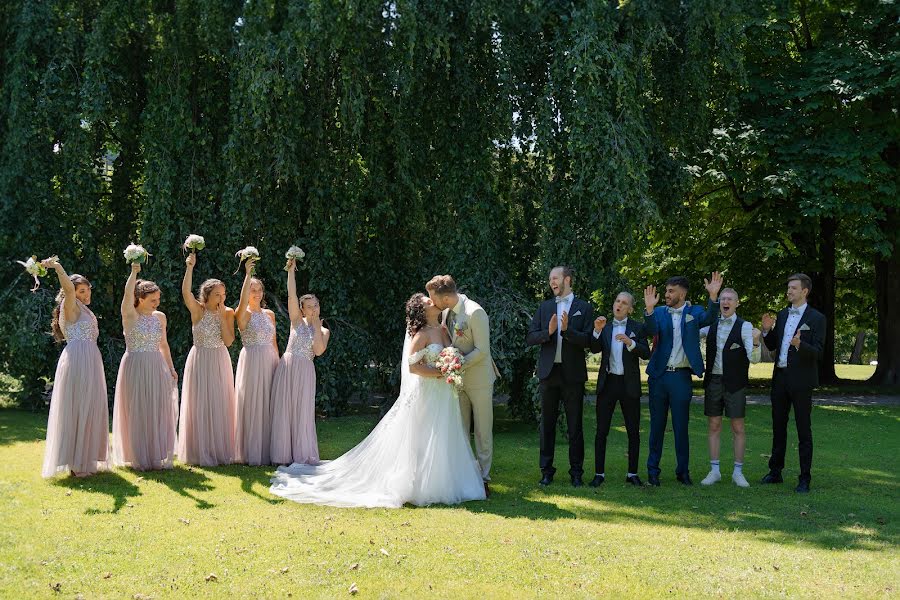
469	331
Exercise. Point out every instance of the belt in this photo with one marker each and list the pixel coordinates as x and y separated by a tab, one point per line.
673	369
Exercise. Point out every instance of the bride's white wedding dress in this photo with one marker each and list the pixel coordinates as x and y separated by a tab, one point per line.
417	454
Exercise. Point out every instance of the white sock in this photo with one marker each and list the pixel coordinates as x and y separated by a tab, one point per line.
603	475
738	468
631	475
715	466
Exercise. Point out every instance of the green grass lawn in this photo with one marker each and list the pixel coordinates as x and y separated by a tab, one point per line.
761	378
130	535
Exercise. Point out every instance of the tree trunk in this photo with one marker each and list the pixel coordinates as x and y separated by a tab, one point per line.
822	296
887	291
856	355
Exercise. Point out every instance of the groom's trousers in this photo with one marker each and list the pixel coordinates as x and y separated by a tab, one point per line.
479	403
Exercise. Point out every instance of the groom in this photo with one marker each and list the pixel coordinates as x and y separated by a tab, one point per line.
469	330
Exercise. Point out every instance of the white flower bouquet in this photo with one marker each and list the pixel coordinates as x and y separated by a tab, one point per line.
194	242
34	268
293	253
135	253
248	253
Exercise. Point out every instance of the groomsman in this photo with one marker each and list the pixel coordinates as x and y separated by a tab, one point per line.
731	345
676	354
622	345
796	337
562	329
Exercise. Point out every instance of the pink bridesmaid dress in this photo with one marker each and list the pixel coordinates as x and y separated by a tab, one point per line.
253	390
146	406
294	402
78	427
206	424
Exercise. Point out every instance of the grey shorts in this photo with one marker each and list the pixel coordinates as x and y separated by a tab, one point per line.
717	400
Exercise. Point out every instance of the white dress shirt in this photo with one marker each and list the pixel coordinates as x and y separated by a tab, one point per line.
722	333
790	328
616	366
562	305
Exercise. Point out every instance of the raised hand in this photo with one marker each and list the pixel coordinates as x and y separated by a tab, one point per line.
135	268
713	285
757	335
191	260
767	322
795	341
599	324
248	266
292	265
624	339
651	298
564	324
553	324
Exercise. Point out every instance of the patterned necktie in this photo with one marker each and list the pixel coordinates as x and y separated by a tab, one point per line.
451	320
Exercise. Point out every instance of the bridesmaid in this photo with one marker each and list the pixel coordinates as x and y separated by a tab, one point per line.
255	369
294	389
146	406
206	425
78	427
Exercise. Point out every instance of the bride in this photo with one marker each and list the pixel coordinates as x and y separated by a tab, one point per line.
417	454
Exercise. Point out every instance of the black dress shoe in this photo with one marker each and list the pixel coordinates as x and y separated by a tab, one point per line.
653	480
597	480
802	487
635	480
546	480
576	481
772	477
685	479
487	490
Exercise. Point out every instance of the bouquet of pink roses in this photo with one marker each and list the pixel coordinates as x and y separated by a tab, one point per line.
450	362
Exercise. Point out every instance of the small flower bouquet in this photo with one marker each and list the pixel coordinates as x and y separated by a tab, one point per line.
293	253
248	253
34	268
194	242
135	253
450	362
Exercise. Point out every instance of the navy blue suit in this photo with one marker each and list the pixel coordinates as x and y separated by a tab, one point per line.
672	388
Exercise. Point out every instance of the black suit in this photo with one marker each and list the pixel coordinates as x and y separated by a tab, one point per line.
562	381
624	389
793	386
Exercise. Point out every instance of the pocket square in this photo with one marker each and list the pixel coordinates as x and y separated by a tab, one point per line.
631	335
735	346
689	318
804	327
577	313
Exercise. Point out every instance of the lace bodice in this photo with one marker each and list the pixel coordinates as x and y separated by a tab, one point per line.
208	331
85	329
430	352
145	335
301	341
259	330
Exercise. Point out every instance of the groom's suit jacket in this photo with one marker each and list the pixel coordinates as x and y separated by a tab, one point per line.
471	334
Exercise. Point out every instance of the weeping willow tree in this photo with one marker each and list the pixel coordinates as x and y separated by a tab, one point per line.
489	139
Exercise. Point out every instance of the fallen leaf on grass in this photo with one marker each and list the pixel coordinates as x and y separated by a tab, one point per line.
385	552
354	566
285	569
56	587
68	492
142	597
107	575
185	521
354	589
212	577
802	513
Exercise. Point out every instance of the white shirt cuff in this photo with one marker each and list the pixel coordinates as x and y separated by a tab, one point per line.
597	335
631	347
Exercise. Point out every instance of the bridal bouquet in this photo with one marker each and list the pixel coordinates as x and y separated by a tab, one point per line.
135	253
293	253
248	253
450	361
194	242
34	268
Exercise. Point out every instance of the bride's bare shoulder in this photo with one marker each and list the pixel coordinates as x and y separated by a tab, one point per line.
419	341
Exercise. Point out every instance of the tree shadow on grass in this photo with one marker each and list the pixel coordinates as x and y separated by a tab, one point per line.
21	426
112	484
185	481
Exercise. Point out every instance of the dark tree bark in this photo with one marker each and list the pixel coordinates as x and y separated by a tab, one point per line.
887	293
822	296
